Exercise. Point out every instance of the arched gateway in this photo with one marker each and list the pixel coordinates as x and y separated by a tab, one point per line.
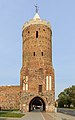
37	72
37	104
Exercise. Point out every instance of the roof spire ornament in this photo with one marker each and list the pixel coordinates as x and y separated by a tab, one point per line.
36	8
36	17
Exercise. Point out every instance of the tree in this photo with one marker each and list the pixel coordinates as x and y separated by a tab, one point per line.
73	95
67	97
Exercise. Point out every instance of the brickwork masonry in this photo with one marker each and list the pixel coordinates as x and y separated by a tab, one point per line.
9	97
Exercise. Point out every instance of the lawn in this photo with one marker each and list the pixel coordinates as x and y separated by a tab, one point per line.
10	114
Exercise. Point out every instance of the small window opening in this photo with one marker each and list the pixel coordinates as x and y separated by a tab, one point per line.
28	31
36	34
42	53
43	29
40	88
34	53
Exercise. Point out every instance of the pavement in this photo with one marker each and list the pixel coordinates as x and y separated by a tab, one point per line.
61	116
66	111
43	116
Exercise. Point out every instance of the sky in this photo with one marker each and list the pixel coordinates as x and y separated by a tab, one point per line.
61	15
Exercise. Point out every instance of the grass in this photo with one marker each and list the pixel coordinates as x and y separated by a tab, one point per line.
69	108
64	119
10	114
9	110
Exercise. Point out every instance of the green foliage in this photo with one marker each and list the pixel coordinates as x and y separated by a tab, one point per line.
9	110
11	114
67	97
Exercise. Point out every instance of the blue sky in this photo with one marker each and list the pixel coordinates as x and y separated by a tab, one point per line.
61	15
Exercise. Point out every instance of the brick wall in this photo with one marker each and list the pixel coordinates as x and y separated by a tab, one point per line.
10	97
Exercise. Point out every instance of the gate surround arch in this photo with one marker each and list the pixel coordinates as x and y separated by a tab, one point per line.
37	103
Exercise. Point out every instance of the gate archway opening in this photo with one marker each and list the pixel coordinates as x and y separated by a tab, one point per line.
37	104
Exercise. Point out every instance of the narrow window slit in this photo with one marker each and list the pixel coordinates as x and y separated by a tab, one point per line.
42	53
40	88
34	53
36	34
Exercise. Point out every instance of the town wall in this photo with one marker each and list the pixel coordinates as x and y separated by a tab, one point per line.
9	97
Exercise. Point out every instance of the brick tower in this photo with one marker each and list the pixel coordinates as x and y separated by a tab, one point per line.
37	73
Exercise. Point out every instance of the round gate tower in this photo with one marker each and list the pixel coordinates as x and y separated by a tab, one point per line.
37	74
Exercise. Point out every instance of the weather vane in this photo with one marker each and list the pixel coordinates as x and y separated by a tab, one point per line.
36	8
